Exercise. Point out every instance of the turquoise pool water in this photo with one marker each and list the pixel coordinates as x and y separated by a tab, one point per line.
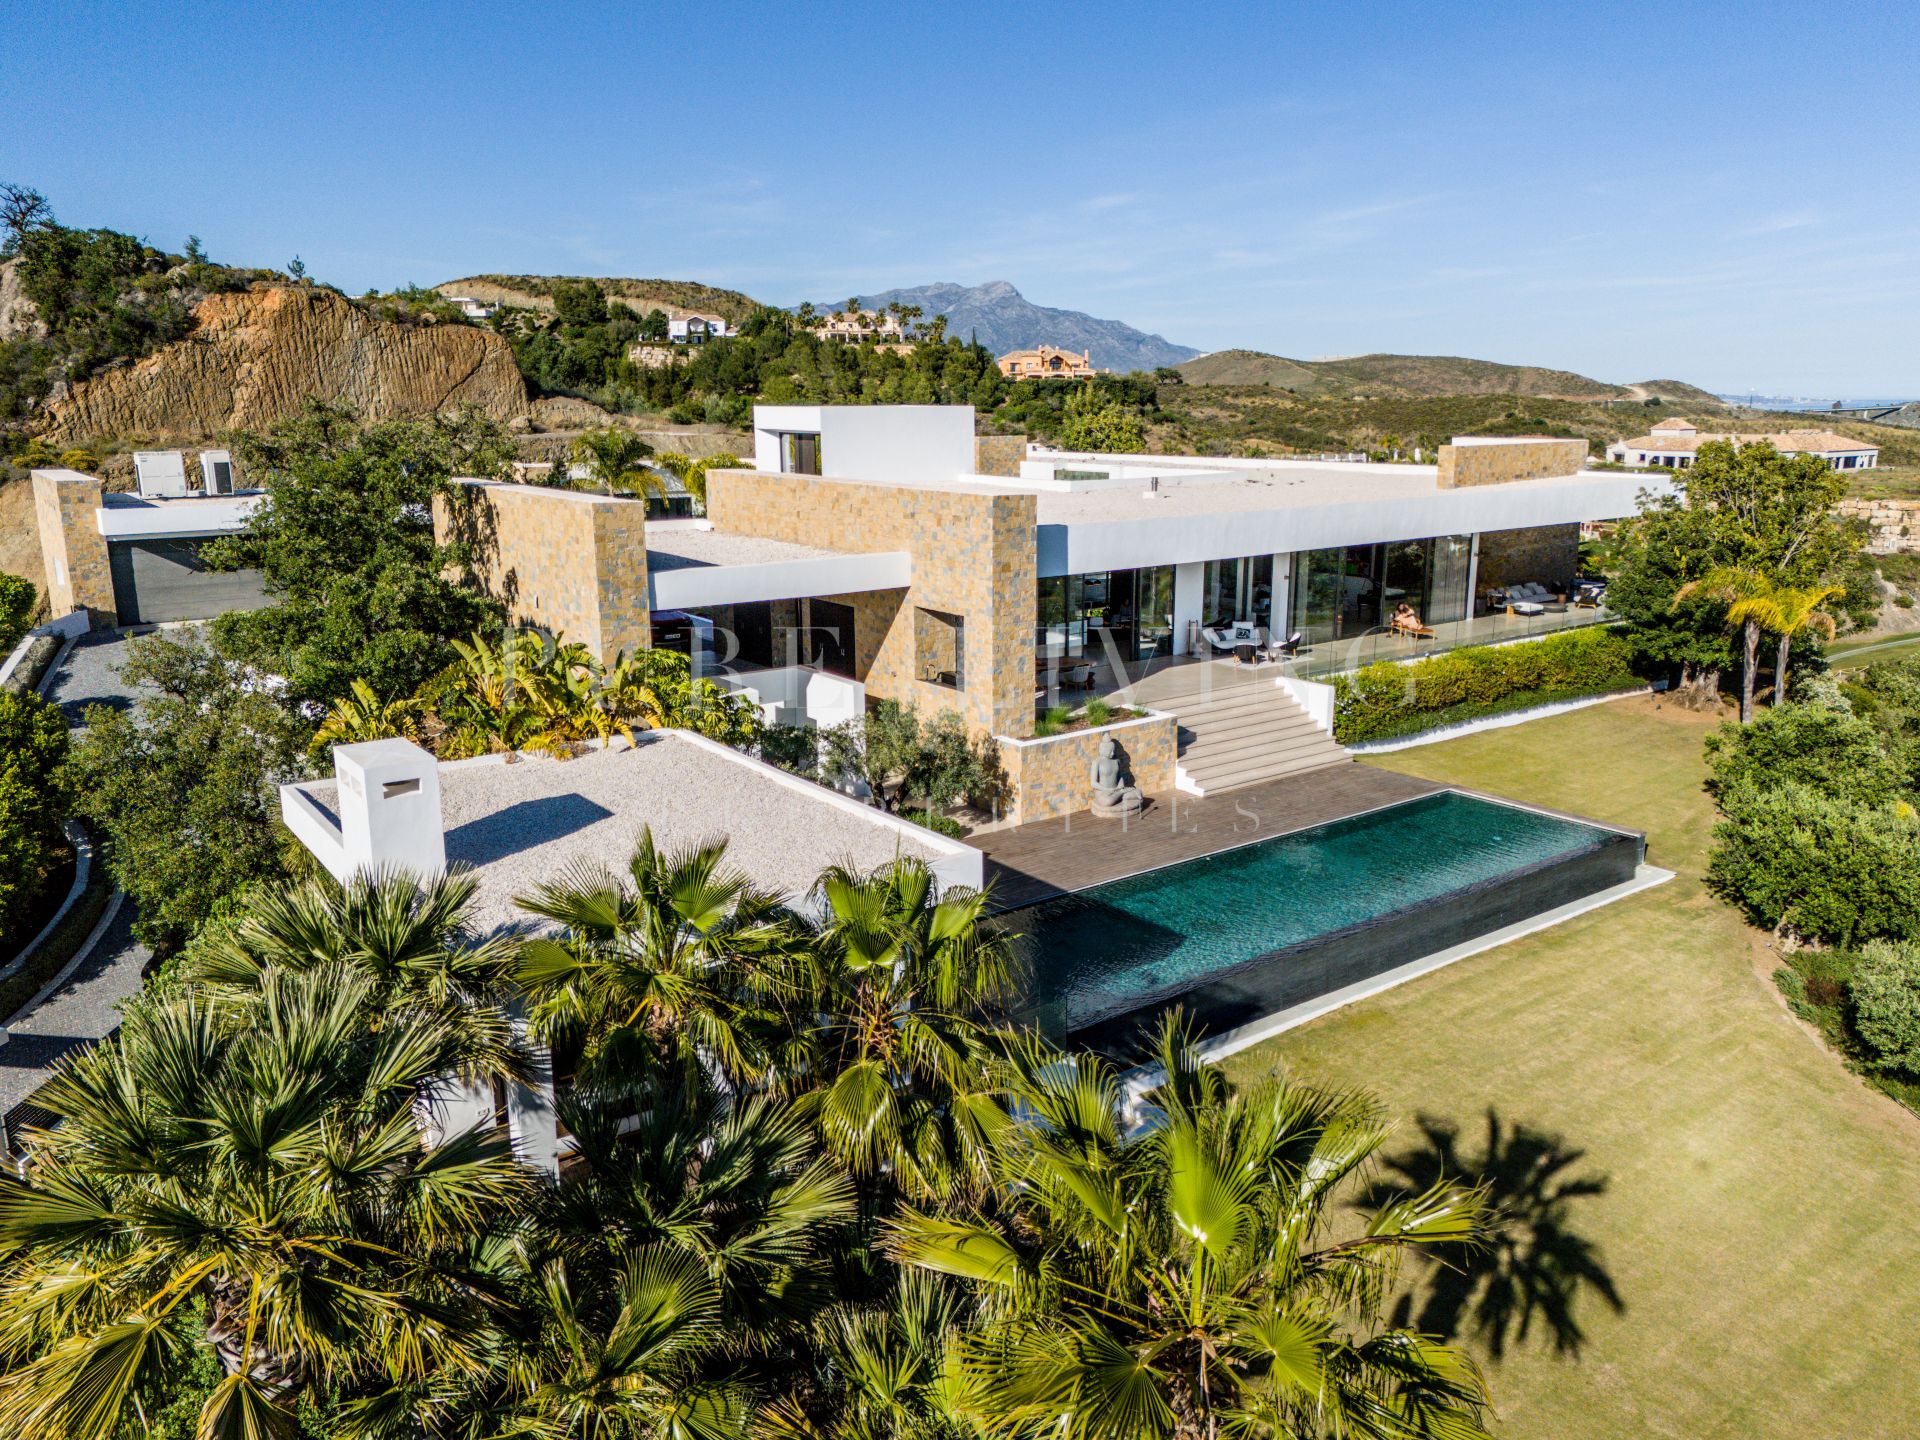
1117	947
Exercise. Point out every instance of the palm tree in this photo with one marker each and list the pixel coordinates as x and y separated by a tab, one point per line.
1795	610
361	715
264	1156
662	963
407	938
693	473
1748	596
1179	1279
615	461
1756	602
883	1042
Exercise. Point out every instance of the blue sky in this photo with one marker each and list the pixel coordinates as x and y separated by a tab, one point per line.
1721	194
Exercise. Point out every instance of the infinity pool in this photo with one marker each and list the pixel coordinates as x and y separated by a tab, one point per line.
1245	932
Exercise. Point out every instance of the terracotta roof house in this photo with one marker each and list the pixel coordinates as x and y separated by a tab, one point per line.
1046	362
1672	444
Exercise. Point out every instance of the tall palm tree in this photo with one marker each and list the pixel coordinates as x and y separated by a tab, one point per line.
1748	596
884	1042
615	460
1796	610
266	1156
1179	1279
662	962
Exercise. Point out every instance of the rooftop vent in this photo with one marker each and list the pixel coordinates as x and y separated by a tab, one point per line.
161	473
216	472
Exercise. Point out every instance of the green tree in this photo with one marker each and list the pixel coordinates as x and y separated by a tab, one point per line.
655	967
1885	990
18	602
33	750
883	1045
1797	859
344	536
904	761
1194	1275
1748	598
1096	423
1824	747
267	1157
184	796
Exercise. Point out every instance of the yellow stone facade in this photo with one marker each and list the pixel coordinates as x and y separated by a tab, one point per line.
973	556
1050	777
1464	465
999	455
564	560
72	549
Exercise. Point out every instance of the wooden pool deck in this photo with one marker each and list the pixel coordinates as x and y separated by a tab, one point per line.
1045	858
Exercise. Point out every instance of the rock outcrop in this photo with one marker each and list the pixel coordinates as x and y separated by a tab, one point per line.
256	357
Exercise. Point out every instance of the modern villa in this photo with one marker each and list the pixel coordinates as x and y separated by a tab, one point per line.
1205	841
1672	444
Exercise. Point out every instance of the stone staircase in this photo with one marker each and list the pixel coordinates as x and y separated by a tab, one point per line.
1244	735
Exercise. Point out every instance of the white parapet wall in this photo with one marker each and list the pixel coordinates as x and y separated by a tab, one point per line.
1311	696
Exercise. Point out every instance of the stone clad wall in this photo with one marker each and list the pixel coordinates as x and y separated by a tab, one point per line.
999	455
569	562
1049	777
973	556
72	550
1464	465
1547	553
1893	526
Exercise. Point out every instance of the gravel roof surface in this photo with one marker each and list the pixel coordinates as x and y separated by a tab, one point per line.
524	824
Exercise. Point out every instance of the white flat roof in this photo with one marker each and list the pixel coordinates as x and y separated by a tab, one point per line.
1309	507
521	825
690	565
155	517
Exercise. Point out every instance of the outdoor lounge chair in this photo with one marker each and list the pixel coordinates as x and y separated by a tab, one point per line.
1288	648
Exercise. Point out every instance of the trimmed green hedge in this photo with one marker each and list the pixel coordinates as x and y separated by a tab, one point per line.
1384	700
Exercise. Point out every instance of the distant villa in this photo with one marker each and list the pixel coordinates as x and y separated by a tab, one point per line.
1045	362
1672	445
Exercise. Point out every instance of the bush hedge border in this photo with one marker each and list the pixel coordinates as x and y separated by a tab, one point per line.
1390	699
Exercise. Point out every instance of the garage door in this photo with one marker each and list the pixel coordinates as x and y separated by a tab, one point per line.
156	580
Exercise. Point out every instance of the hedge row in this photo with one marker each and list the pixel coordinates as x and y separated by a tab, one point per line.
1385	700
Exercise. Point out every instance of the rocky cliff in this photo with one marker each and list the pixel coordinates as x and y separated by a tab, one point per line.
255	358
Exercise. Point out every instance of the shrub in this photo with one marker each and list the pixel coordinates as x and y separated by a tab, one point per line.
1827	867
18	601
1383	700
1886	1003
1098	713
933	820
794	748
1830	750
33	744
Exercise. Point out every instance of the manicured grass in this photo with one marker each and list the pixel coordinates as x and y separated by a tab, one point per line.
1754	1205
1849	656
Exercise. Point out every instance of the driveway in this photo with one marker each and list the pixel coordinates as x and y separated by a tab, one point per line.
83	1009
90	675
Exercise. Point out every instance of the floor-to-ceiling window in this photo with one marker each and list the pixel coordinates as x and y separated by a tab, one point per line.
1232	590
1349	590
1133	607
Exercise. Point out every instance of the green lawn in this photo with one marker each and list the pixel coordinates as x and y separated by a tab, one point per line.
1850	655
1754	1207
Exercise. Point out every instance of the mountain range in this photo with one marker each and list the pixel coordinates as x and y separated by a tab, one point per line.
1357	376
1003	319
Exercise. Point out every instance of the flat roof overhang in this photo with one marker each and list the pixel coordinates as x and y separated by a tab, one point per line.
1080	547
696	586
185	518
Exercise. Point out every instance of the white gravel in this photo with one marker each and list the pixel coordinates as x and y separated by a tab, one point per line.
524	824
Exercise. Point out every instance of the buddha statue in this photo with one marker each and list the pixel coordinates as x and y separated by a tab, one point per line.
1112	795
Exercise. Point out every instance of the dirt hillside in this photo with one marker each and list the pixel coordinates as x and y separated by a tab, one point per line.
255	358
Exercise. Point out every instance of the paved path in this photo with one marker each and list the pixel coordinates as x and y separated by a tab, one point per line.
90	675
83	1009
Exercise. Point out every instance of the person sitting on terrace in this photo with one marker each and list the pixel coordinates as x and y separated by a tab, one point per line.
1406	621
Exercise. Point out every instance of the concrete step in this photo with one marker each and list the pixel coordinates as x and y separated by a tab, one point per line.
1246	735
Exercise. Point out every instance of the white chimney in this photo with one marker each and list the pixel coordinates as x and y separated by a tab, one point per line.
389	799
